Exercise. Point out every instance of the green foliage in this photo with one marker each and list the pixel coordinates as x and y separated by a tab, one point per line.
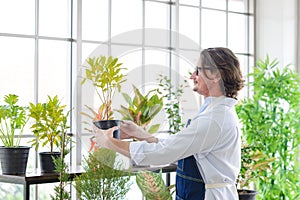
142	108
152	186
61	192
271	121
254	164
171	96
106	77
13	119
101	181
50	123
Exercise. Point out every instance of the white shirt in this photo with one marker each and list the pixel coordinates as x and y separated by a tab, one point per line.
213	137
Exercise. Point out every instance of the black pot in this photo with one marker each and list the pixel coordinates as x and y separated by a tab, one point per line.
14	160
46	161
107	124
245	194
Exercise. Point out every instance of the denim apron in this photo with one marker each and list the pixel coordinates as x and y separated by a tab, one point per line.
189	182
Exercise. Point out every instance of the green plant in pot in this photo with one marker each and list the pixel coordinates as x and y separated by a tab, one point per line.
50	123
142	109
254	163
106	77
102	179
270	121
13	119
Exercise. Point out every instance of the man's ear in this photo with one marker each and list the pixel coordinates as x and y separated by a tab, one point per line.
217	77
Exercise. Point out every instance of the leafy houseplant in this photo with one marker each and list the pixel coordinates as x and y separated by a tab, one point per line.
101	181
171	96
270	120
49	126
254	164
152	185
142	108
13	119
106	77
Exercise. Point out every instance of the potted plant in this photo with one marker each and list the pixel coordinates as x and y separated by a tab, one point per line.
102	179
253	166
152	185
48	128
142	109
106	77
270	121
13	119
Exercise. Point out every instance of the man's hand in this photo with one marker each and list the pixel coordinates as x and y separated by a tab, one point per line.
103	137
128	130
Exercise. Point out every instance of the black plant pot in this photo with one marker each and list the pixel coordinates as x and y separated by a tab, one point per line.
46	161
14	160
245	194
107	124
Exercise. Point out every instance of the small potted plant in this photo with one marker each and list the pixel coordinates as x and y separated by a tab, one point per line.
48	128
106	77
142	109
13	119
102	178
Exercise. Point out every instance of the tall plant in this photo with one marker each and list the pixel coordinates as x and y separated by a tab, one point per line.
171	97
271	119
105	75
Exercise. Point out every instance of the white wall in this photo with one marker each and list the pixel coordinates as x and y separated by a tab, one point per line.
276	30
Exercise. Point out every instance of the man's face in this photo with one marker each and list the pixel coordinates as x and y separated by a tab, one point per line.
204	85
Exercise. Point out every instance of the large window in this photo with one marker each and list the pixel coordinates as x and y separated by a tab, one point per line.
45	43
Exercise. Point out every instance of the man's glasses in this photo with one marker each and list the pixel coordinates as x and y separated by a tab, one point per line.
199	69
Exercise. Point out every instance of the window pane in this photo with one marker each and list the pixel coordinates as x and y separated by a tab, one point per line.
218	4
123	19
54	70
213	28
133	36
95	20
157	37
130	56
89	49
17	68
17	16
237	5
237	37
54	18
186	15
157	15
190	2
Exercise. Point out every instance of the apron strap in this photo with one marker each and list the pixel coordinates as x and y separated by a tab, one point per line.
217	185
